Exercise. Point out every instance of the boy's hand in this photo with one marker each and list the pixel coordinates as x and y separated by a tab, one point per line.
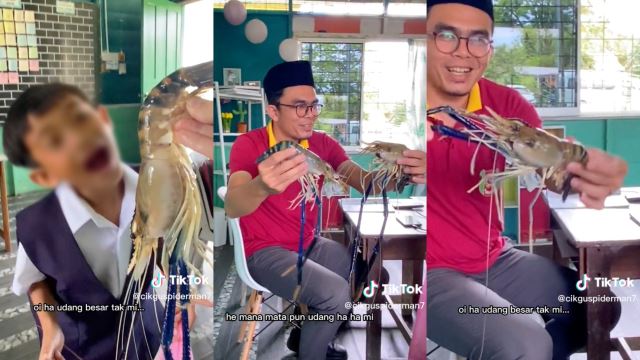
281	169
195	128
52	344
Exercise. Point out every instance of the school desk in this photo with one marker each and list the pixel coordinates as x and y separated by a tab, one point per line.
400	243
607	244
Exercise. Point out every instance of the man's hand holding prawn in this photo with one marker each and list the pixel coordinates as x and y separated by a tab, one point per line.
415	164
596	180
280	170
194	129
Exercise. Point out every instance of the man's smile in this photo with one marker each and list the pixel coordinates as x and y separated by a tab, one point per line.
459	70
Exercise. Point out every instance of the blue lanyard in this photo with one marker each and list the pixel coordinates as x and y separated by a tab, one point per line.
358	239
302	255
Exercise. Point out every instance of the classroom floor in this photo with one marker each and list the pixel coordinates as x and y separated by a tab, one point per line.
18	335
272	343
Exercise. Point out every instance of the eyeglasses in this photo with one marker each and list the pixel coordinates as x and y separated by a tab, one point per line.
448	42
303	109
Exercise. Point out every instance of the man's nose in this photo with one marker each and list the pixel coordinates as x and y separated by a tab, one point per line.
463	48
311	115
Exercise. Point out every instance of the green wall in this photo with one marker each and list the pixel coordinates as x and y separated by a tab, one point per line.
125	33
162	48
233	50
125	128
149	33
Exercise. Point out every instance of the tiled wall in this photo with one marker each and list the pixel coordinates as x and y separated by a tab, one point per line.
66	45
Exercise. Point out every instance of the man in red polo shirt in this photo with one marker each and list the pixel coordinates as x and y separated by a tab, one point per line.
468	260
260	195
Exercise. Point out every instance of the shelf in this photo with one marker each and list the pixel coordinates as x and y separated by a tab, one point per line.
250	95
240	93
249	99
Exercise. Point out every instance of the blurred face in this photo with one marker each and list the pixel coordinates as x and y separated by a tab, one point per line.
73	142
451	71
289	119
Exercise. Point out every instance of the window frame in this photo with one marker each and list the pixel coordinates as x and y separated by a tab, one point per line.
351	39
349	149
595	114
573	112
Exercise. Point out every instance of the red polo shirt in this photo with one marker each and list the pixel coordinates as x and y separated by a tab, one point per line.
272	223
457	221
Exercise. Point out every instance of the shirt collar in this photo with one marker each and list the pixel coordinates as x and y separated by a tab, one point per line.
272	138
78	212
475	99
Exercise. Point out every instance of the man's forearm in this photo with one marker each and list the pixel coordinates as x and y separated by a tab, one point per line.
39	293
244	199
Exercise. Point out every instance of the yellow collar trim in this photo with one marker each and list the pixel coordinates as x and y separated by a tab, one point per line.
475	100
272	138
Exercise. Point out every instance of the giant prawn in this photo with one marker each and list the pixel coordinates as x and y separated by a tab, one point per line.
168	202
529	151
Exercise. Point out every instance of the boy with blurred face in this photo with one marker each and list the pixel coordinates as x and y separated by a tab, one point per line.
260	195
74	244
461	260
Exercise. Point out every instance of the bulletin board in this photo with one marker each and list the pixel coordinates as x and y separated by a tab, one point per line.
18	45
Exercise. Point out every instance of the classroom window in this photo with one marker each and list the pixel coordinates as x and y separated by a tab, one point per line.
535	46
610	57
367	94
337	70
394	94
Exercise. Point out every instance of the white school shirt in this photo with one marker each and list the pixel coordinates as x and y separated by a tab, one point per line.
105	246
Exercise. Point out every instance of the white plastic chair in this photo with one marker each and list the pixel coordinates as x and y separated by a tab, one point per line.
238	250
255	299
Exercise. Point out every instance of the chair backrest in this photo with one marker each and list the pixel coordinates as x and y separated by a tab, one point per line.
238	249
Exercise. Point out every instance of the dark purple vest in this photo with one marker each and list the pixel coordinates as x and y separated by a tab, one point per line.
46	237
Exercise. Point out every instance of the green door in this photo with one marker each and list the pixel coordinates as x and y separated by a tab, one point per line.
161	41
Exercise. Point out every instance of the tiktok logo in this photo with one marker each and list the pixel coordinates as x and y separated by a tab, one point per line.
157	281
370	290
581	285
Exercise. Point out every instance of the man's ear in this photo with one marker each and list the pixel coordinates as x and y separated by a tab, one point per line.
42	178
272	111
104	115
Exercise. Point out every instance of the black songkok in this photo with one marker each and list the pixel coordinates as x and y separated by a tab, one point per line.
287	74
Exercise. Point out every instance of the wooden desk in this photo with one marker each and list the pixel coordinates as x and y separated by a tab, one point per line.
400	243
608	244
6	234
